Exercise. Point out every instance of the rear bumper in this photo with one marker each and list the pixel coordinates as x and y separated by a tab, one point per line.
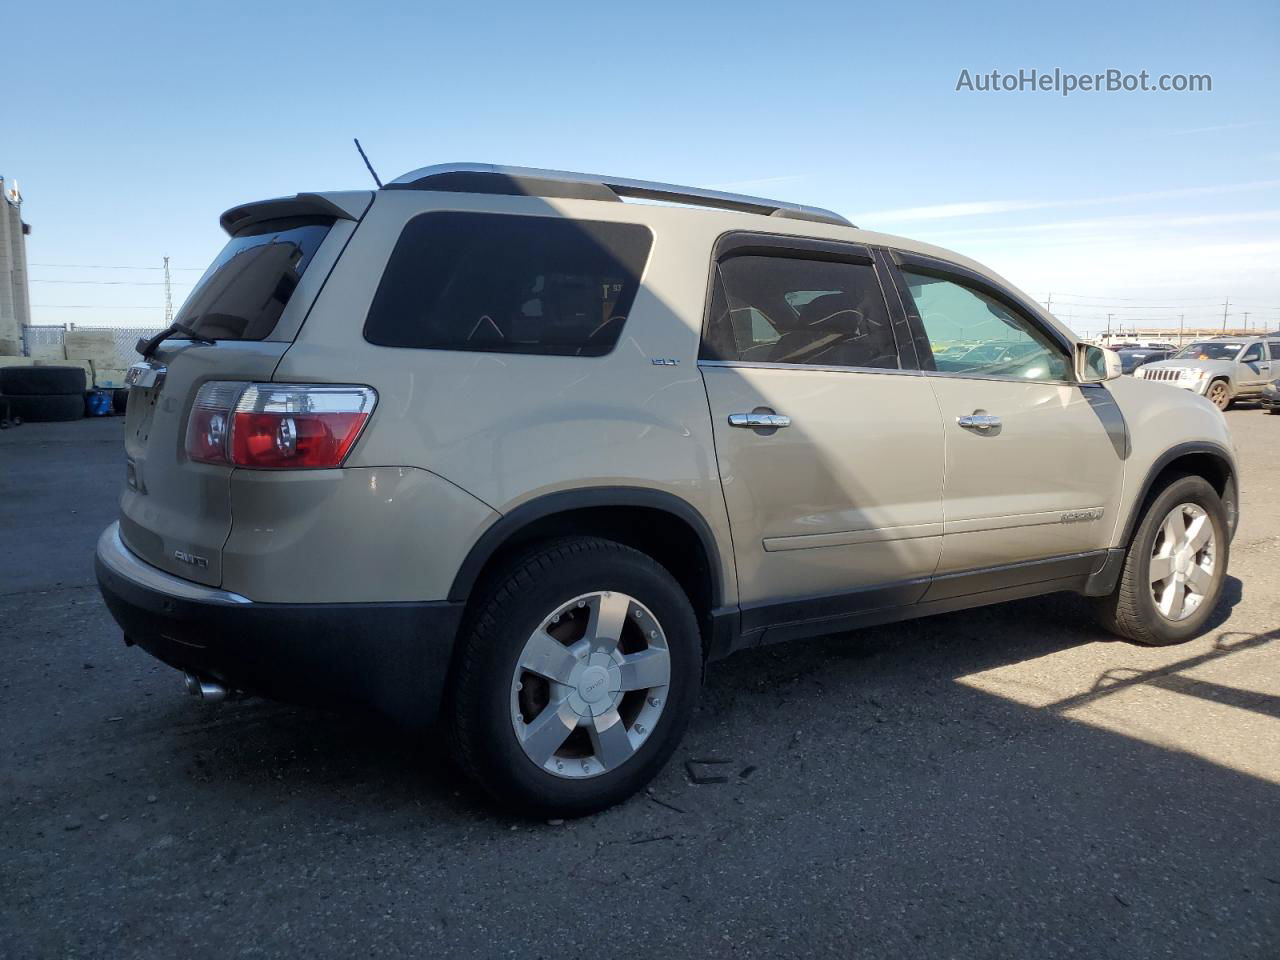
393	657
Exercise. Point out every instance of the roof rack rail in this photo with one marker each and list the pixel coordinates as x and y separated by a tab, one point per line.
529	181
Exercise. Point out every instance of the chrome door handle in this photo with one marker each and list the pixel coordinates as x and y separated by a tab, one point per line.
978	421
755	421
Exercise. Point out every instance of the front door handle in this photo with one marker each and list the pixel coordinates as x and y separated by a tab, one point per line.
979	421
757	421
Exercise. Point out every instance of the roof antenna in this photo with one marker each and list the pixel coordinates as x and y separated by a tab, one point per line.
365	158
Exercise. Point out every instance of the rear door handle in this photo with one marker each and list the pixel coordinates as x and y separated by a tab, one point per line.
978	421
755	421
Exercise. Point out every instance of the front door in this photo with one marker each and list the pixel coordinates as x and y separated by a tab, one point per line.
1034	461
830	453
1253	370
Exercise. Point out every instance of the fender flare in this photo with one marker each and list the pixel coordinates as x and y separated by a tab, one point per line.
565	501
1209	447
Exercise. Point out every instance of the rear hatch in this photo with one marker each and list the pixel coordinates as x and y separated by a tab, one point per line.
175	513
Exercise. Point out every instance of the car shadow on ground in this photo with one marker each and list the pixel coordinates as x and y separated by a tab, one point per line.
239	748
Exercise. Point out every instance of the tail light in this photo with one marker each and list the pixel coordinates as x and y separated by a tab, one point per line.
277	425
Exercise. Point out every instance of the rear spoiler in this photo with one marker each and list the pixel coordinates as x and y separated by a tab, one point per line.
347	205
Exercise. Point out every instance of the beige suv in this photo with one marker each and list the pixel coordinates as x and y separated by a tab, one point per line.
490	445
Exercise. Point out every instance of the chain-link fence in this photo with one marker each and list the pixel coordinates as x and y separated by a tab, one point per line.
45	342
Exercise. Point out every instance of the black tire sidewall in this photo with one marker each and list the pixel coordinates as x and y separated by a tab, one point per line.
47	409
1189	489
45	381
504	769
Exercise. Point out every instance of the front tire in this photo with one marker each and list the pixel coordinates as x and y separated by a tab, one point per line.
576	677
1174	569
1219	394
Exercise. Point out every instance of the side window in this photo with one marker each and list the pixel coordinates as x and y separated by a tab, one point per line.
1253	354
788	310
973	333
1275	349
508	284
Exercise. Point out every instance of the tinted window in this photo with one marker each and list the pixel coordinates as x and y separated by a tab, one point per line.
509	284
973	333
246	288
787	310
1275	349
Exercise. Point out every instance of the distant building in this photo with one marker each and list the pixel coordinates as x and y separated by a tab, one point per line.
15	303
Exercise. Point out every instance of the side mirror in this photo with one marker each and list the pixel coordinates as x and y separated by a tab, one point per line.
1096	364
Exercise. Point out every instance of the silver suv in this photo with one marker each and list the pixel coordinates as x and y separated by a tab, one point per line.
1224	369
490	446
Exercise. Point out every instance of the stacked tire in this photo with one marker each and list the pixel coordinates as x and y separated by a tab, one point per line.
43	393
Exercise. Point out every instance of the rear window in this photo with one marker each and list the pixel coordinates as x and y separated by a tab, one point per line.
246	288
509	284
791	310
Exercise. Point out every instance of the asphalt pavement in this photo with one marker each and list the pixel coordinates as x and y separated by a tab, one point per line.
1006	782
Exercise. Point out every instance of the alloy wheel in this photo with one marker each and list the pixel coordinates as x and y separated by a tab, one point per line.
1182	562
1219	395
590	685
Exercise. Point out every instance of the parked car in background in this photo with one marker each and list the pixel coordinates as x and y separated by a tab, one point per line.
1271	397
1224	369
1133	357
491	446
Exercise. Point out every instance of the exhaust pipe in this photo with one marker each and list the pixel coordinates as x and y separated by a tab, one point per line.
208	690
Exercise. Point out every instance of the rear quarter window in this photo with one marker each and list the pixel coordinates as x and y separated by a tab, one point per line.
246	288
509	284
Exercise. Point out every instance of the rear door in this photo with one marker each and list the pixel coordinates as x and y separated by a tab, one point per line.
836	506
175	513
1034	460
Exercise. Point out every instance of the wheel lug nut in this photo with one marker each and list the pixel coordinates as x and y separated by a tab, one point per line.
639	729
582	603
655	702
653	634
519	686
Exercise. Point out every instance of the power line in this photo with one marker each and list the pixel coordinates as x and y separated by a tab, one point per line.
113	283
104	266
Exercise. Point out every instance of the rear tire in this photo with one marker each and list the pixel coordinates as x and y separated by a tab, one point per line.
47	409
1134	609
577	592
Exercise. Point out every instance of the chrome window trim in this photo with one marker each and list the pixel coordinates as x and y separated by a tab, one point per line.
958	375
821	367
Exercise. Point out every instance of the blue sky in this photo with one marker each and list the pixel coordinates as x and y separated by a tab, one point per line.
131	127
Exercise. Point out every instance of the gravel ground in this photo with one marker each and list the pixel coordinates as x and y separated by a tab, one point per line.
1004	782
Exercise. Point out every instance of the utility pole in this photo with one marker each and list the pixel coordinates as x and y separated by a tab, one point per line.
1048	304
1224	314
1181	321
1109	316
168	295
1246	322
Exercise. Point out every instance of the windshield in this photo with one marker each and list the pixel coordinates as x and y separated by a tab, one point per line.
1209	350
246	288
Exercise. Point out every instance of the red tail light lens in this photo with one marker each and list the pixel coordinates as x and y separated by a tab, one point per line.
278	426
210	421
